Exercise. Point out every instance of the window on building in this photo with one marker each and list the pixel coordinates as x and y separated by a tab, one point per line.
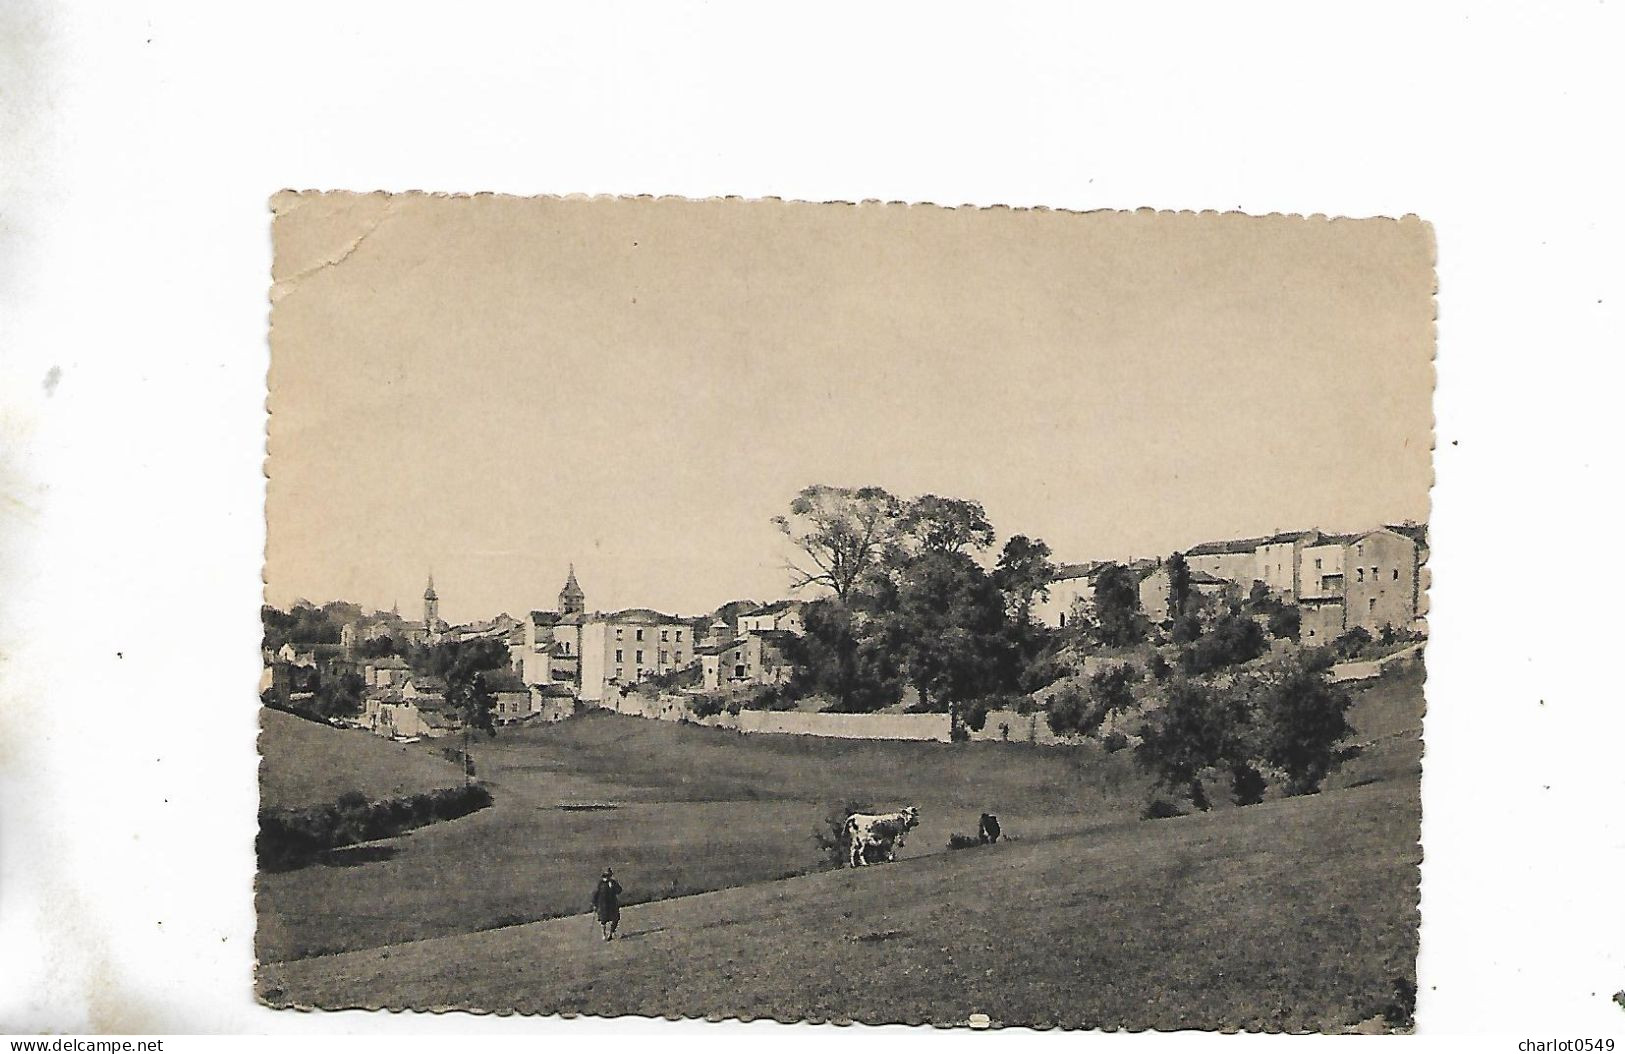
1359	574
639	659
665	634
679	635
1371	605
618	673
640	634
665	656
620	656
1396	574
1317	563
679	658
619	633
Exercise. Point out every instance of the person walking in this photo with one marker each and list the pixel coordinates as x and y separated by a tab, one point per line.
606	903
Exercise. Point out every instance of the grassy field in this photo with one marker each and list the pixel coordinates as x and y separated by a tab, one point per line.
1289	915
308	763
694	809
1293	914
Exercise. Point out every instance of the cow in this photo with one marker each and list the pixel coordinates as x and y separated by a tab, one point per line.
987	831
885	831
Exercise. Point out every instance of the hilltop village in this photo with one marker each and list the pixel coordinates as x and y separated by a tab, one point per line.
389	674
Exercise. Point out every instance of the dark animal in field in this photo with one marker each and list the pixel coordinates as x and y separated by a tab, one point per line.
883	832
988	832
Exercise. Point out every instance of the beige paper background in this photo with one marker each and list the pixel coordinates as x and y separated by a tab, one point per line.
492	387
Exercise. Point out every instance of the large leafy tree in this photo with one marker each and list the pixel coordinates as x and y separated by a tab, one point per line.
843	534
1302	718
471	668
302	625
1023	575
934	524
949	632
1109	691
839	655
1197	728
1117	618
338	694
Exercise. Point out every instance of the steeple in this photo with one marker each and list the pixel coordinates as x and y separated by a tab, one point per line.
572	601
431	610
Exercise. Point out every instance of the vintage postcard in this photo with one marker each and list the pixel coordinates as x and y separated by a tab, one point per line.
845	612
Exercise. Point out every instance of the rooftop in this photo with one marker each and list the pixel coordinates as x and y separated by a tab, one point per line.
1233	545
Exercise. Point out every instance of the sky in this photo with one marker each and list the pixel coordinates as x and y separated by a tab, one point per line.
493	388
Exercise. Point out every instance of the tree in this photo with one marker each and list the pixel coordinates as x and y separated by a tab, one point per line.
1023	575
303	625
844	532
1197	728
1179	584
338	694
935	524
1109	691
949	632
1285	622
470	668
378	647
1302	719
1233	639
1117	618
836	656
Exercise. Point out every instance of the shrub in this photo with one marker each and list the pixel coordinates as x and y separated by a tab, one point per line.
1186	628
1247	784
1109	691
1068	710
1042	672
1353	644
974	713
1284	622
1233	639
708	705
1160	809
291	838
1157	666
768	697
1317	660
1197	728
963	841
1303	718
1114	741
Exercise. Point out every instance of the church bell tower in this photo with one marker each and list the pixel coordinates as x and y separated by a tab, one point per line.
572	601
431	610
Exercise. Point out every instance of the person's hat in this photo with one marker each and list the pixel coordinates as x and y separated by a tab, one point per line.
608	871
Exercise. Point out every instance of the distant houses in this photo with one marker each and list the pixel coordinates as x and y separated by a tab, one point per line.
758	654
1369	579
563	659
417	708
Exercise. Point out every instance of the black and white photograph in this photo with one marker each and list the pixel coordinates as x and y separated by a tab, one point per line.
829	612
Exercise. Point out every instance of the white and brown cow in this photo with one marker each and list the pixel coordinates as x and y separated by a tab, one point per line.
883	831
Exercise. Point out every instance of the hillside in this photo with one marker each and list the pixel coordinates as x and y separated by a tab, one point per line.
692	809
307	763
695	809
1297	914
